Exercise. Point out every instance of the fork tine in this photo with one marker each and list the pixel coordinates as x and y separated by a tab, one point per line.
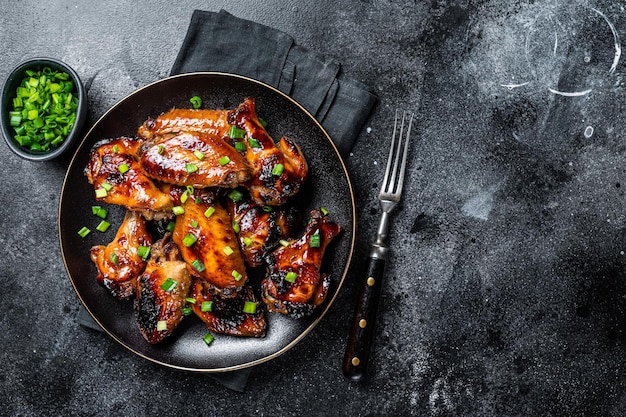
399	149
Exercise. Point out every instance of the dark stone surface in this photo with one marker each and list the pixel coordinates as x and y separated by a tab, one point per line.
505	291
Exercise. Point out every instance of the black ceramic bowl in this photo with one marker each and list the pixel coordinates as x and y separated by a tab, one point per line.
8	93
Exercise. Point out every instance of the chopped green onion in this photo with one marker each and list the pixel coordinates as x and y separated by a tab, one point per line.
249	307
84	231
106	186
236	227
99	211
101	193
227	250
236	133
268	209
283	243
161	325
291	276
208	339
186	310
191	168
198	266
206	306
263	122
194	224
184	196
278	170
223	160
240	146
315	241
324	211
236	275
123	168
198	154
189	240
116	149
161	149
178	210
196	102
143	251
191	300
254	143
103	226
247	241
169	284
113	258
209	212
170	226
235	195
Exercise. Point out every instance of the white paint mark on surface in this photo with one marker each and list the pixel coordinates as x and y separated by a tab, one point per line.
480	205
588	131
572	94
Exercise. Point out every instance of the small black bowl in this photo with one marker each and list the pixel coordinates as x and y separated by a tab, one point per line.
8	93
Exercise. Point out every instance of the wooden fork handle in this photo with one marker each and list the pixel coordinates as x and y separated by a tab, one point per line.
362	329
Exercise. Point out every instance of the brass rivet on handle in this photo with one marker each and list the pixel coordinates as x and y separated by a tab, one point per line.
371	281
356	361
362	323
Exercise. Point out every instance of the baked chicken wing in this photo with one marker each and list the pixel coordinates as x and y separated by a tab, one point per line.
228	315
293	283
114	171
161	292
278	171
205	235
119	263
260	229
208	121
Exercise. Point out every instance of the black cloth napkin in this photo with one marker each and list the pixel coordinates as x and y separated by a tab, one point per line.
225	43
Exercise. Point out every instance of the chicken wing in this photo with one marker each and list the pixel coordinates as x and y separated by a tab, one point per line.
161	292
293	284
226	315
260	229
278	170
114	171
205	235
195	159
118	263
208	121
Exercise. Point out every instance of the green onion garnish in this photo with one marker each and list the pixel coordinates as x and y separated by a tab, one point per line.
253	143
143	251
268	209
190	168
247	241
113	258
236	133
84	231
106	186
263	122
189	240
198	154
116	149
184	196
206	306
223	160
178	210
43	109
169	284
99	211
208	339
283	243
291	276
235	195
186	310
123	168
240	146
161	325
236	227
227	250
249	307
103	226
161	149
236	275
324	211
198	266
170	226
209	212
101	193
315	241
191	300
196	102
278	170
194	224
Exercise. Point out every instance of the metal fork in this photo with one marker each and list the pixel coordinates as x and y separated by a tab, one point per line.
362	329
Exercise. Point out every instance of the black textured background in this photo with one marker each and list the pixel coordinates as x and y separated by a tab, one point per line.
505	291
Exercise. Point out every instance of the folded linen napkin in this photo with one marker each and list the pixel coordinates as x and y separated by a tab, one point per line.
224	43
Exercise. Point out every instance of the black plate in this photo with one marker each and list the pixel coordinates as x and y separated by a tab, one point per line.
328	186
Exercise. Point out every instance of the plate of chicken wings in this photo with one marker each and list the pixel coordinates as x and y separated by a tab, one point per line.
207	222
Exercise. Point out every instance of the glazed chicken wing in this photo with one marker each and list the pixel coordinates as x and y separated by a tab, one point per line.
195	159
161	292
114	171
118	263
293	284
259	230
226	315
278	170
205	235
208	121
